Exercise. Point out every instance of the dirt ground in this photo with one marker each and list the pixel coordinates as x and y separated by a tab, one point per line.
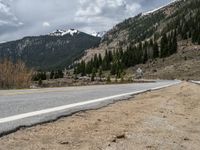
163	119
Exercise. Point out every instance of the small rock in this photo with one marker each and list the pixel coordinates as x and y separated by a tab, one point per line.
64	143
149	146
114	140
161	112
122	136
186	139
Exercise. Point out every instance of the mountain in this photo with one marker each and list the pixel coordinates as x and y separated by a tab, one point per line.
145	26
55	50
152	38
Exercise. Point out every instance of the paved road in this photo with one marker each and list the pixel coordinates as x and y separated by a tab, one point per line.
20	108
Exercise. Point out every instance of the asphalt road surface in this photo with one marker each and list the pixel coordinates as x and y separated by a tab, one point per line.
24	108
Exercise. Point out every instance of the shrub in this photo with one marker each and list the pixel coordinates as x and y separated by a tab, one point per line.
108	79
14	75
39	76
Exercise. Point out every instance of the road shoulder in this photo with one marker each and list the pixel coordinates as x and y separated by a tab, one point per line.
162	119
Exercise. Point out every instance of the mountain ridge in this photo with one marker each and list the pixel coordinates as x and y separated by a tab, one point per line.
144	39
51	51
124	33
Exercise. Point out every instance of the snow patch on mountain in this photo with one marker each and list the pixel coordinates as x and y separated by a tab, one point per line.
64	32
98	34
156	9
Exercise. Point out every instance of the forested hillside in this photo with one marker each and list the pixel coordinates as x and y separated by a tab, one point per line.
49	52
145	37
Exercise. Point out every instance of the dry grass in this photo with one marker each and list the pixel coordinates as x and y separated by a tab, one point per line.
14	75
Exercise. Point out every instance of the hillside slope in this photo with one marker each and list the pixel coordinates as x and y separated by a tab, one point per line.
183	65
56	50
176	15
155	35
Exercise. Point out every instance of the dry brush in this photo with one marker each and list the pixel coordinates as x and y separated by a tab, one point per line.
14	75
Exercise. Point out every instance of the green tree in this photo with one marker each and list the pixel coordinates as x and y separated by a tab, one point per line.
100	60
164	46
108	79
100	73
145	57
40	82
155	50
93	74
52	74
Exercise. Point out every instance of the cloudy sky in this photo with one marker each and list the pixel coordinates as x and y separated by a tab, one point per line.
20	18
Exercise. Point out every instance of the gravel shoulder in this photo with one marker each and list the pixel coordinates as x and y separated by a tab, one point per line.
163	119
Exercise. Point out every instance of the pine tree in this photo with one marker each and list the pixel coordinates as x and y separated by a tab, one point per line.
75	73
52	75
89	66
108	79
100	60
96	61
175	43
93	74
60	74
145	57
105	63
164	46
82	68
198	40
110	56
100	73
155	50
139	54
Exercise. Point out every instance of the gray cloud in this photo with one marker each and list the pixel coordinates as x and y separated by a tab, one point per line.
20	18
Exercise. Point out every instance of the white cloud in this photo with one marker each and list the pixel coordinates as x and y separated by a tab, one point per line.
2	22
104	13
46	24
7	17
20	18
131	9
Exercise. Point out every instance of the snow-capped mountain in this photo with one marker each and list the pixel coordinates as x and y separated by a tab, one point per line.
98	34
64	32
52	51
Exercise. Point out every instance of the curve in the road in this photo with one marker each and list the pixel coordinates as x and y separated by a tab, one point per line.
9	123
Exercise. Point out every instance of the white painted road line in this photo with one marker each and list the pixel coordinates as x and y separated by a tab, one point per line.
197	82
65	107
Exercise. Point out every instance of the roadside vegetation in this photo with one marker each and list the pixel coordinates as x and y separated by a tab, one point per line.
14	75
